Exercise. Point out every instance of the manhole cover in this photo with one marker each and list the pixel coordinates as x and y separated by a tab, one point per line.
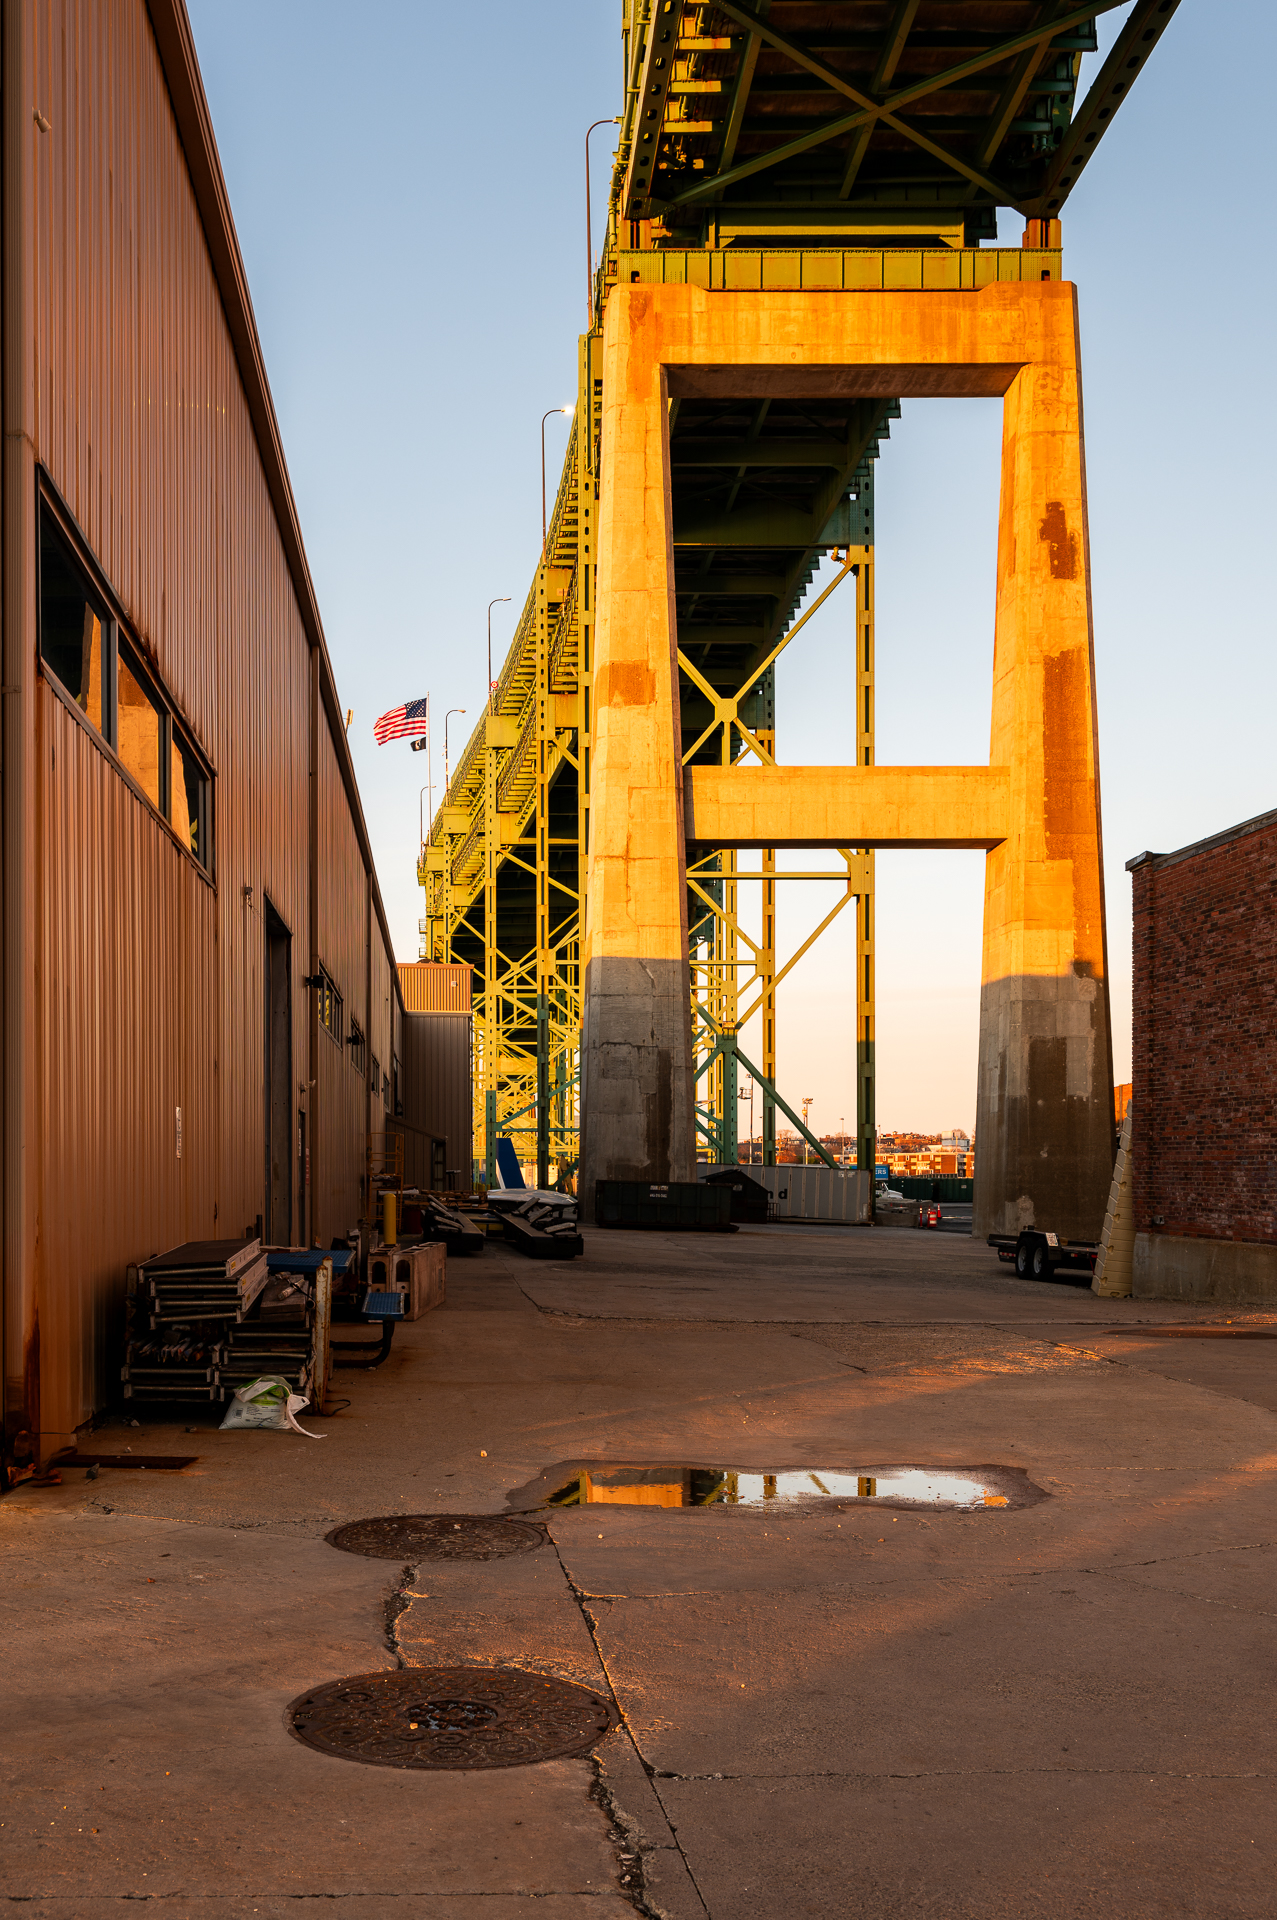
450	1718
439	1536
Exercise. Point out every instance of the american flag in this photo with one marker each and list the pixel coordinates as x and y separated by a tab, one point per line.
400	721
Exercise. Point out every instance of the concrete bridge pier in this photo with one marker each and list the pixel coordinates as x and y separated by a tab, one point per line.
1044	1108
636	1038
1044	1104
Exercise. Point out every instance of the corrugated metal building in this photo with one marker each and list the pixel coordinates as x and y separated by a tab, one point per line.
438	1120
201	1015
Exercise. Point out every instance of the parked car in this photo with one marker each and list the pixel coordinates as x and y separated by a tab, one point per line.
928	1213
887	1202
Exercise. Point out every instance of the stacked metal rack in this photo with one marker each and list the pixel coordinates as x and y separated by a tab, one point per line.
276	1338
212	1315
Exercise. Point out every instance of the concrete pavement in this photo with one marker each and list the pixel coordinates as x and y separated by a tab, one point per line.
830	1709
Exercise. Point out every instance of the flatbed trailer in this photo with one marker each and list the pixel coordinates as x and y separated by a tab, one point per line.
1037	1253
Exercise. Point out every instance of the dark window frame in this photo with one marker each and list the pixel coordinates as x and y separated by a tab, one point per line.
331	1009
52	515
357	1041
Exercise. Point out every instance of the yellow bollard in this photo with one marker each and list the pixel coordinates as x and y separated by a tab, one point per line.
389	1220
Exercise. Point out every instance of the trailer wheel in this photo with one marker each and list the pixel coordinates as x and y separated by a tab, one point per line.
1022	1256
1041	1262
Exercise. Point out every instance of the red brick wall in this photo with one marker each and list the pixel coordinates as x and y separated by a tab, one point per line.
1205	1038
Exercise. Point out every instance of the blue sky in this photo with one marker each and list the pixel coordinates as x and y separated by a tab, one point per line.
413	231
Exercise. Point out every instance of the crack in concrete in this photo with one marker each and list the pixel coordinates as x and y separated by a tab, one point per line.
960	1773
303	1529
606	1798
1230	1606
547	1893
629	1862
398	1601
1175	1559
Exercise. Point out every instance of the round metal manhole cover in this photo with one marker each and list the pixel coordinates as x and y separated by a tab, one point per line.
450	1718
439	1536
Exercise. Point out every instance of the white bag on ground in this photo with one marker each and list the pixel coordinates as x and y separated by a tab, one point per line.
268	1402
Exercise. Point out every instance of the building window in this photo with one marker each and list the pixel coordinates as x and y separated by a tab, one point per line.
139	724
86	652
74	630
385	1090
330	1008
376	1076
355	1041
188	796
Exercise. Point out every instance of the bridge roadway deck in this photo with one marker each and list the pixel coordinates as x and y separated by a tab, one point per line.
1061	1710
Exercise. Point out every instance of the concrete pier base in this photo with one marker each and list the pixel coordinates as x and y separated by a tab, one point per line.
1044	1106
636	1039
1171	1266
635	1065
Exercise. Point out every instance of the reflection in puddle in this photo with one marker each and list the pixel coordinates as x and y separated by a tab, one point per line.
598	1483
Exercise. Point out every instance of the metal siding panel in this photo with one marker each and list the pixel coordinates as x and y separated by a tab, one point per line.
152	983
128	956
437	1096
340	1147
431	987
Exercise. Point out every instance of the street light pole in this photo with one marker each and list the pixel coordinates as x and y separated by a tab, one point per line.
498	602
589	238
447	778
544	417
742	1095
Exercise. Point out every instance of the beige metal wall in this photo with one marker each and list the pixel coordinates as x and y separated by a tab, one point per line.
437	1068
128	380
428	987
341	1151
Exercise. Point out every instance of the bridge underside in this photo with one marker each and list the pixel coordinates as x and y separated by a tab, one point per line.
1044	1117
829	175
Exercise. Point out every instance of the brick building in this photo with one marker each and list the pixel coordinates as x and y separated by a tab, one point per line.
1205	1066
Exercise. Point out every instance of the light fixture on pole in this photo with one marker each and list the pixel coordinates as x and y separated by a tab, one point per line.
589	237
742	1095
570	409
501	600
447	778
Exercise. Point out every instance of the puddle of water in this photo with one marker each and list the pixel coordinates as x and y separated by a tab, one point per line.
576	1483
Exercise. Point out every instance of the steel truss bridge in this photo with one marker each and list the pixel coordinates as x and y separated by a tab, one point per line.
826	144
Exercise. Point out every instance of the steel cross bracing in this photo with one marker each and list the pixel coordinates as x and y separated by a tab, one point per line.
783	123
501	868
783	143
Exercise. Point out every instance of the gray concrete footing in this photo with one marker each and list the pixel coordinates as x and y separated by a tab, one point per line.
636	1074
1169	1266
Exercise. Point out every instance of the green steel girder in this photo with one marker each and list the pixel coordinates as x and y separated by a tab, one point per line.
856	109
686	451
807	134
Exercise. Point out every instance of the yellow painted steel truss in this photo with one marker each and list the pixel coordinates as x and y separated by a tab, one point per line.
696	200
503	867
